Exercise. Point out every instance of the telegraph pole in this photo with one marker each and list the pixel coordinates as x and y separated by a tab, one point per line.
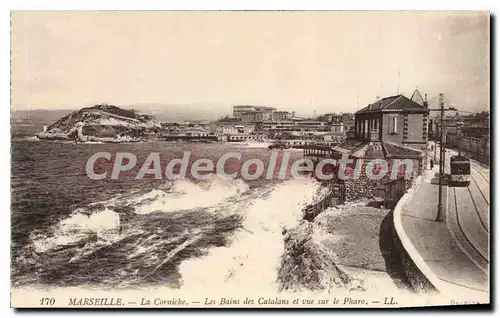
435	145
441	109
439	217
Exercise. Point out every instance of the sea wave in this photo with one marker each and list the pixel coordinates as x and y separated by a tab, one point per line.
78	227
25	138
252	260
99	219
187	195
183	234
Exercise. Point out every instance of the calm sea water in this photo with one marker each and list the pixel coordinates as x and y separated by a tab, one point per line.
69	230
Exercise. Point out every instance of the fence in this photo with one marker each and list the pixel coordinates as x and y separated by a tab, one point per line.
477	148
394	190
335	196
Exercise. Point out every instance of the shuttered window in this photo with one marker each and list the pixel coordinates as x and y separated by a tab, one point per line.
393	124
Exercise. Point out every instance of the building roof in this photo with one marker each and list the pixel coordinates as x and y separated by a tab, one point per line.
392	102
373	150
417	97
350	146
396	151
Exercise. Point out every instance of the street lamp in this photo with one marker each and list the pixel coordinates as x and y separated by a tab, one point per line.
439	217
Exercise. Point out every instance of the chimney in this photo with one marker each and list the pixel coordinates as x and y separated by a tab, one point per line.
426	105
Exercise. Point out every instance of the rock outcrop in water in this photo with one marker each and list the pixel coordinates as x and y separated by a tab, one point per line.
102	123
361	238
308	265
347	247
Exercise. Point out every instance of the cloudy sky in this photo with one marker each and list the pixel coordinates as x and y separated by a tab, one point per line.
303	61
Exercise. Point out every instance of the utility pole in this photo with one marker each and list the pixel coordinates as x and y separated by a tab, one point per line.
439	217
441	109
426	105
435	138
435	148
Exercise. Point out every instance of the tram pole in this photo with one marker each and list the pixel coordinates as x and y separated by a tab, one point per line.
441	109
439	217
435	148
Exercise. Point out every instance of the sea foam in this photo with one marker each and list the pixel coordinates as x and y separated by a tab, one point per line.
187	195
251	262
104	224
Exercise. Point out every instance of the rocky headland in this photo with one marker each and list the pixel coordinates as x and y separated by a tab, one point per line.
102	123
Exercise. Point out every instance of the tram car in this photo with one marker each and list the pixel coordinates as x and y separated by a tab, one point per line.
460	171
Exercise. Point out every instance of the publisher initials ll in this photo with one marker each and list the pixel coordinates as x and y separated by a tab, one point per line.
389	301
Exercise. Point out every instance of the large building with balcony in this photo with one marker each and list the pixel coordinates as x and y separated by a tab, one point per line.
393	128
281	115
258	114
344	119
249	112
304	125
227	127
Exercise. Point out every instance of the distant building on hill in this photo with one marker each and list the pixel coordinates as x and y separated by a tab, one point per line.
240	110
257	114
235	127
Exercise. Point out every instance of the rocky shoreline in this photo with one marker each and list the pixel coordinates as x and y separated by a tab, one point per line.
344	247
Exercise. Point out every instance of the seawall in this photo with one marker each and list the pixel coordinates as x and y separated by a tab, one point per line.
419	275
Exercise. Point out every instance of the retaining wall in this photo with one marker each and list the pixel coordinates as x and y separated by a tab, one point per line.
420	276
312	210
364	187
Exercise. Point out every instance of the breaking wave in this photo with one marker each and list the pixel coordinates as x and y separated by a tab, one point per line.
213	234
104	224
252	260
99	219
186	195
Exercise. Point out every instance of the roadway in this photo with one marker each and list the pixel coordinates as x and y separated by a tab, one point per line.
468	212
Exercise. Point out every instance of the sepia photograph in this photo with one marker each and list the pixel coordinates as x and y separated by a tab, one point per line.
250	159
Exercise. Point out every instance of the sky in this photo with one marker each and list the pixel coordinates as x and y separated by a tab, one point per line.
303	61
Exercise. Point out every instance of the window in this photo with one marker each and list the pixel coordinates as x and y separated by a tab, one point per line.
393	125
460	168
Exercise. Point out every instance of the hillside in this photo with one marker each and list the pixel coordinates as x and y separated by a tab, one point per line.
105	123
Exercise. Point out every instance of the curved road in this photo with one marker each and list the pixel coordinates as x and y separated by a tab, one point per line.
471	206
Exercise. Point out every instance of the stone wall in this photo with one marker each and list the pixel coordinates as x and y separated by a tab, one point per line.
363	187
417	280
419	276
